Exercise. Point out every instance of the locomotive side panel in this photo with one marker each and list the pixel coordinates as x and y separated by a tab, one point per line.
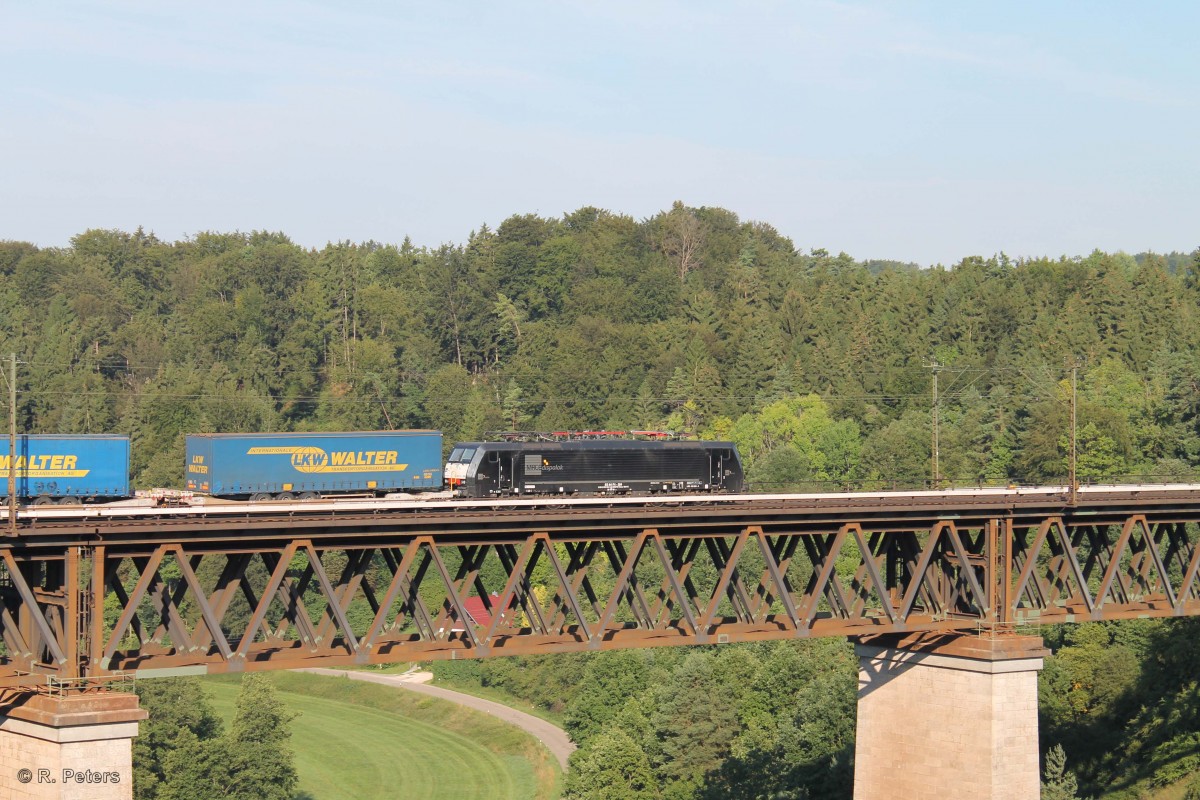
594	467
237	465
53	466
613	471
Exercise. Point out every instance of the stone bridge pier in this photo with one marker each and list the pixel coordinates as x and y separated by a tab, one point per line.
948	716
76	746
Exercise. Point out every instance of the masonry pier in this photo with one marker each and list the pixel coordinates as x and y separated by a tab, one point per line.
76	746
948	715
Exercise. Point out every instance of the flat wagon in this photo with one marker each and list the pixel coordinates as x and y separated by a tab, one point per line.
285	466
67	468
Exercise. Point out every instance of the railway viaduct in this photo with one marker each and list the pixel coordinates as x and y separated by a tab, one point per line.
933	587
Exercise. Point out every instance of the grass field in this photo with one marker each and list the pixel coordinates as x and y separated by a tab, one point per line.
358	741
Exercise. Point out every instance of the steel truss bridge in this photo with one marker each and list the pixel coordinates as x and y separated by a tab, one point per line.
94	592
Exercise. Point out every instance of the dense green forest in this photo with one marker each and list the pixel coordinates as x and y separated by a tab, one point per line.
775	721
743	721
819	366
692	320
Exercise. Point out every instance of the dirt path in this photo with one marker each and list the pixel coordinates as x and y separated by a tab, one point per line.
553	737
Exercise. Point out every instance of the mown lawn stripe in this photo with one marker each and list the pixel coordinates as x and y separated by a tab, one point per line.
353	751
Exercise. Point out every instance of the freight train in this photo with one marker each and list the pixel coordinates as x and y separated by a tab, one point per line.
302	466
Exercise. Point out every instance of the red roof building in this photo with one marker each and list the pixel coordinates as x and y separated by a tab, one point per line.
477	610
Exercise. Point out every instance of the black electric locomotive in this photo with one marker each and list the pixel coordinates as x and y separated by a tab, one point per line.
600	467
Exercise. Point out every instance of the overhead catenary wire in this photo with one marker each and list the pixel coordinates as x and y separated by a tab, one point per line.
527	399
119	364
1037	387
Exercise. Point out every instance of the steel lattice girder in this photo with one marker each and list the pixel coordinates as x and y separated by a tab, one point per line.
284	601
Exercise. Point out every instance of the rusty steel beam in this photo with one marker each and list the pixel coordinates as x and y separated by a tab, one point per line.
250	593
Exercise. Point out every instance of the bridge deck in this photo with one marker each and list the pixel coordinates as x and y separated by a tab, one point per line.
93	591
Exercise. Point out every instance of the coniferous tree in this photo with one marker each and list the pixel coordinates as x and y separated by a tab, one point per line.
253	761
180	715
1058	782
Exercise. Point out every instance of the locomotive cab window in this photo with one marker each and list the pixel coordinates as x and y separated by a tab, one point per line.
456	454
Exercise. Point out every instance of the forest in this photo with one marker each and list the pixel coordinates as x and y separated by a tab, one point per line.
819	366
1119	715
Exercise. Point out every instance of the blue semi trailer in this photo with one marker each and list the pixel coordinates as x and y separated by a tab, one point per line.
66	468
285	466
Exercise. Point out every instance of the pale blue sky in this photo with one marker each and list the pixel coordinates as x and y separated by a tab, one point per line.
917	131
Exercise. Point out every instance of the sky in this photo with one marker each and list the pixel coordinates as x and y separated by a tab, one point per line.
915	131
